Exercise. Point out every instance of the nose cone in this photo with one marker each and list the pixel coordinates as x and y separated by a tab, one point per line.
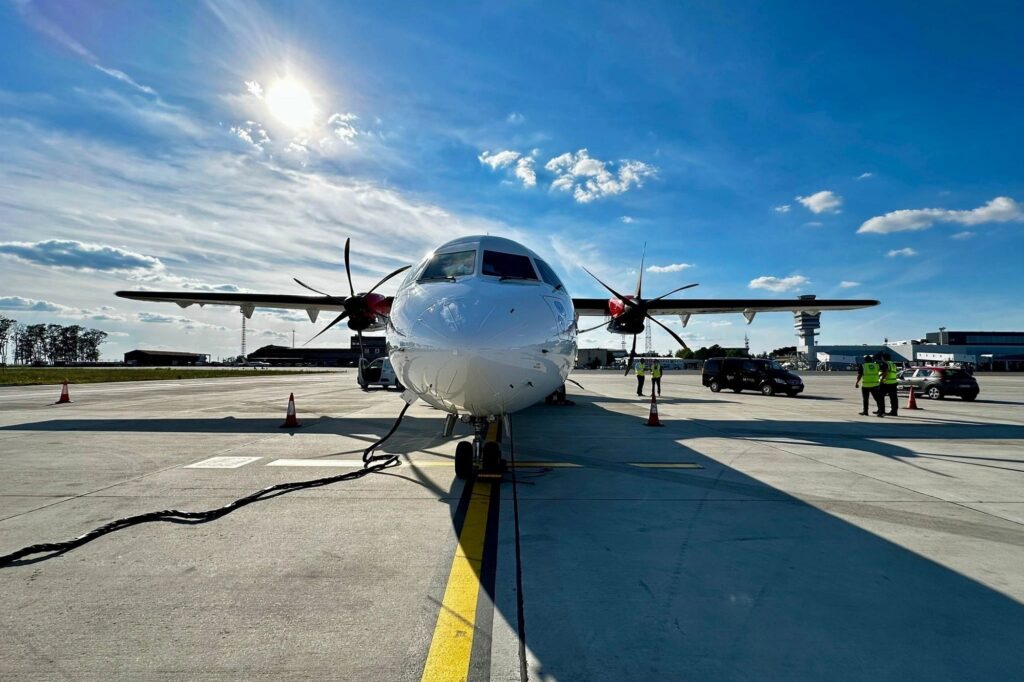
479	349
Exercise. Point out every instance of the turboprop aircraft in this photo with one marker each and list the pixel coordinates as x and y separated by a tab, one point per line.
483	327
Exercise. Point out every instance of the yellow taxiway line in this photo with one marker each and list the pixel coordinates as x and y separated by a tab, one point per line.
452	644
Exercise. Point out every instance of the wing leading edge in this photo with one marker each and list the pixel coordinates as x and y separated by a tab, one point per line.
247	302
703	306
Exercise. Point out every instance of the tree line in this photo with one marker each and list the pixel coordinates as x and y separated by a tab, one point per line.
48	343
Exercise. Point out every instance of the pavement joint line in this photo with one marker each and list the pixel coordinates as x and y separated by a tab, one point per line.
451	646
355	463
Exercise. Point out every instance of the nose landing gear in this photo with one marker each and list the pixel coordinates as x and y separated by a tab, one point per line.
482	457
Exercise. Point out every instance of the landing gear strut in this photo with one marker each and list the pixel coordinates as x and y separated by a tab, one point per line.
482	457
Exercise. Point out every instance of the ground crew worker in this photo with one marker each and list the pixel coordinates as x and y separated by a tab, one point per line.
640	370
656	377
869	378
888	387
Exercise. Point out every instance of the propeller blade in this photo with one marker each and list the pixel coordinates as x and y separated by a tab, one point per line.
336	320
688	286
640	279
348	270
674	335
584	331
632	354
616	294
396	272
323	293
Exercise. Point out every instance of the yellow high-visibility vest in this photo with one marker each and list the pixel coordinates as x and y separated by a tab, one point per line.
639	369
891	370
872	375
656	371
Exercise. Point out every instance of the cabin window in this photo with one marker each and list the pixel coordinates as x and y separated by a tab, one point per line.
449	265
548	275
507	266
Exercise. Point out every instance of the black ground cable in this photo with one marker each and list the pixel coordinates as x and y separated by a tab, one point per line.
176	516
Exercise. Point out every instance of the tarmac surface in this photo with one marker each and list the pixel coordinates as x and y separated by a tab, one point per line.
749	538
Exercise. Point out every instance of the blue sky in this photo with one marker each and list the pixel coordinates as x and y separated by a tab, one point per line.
764	149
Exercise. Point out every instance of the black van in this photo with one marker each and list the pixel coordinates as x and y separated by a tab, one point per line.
766	376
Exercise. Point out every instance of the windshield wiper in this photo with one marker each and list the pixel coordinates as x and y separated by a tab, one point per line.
437	278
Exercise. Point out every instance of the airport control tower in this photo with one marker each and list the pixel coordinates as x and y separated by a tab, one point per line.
807	325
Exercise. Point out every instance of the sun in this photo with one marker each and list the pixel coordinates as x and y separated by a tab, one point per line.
290	103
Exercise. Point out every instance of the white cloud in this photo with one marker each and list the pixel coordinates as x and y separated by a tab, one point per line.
178	321
76	255
966	234
523	165
589	178
824	201
525	172
499	159
674	267
847	284
254	89
998	210
784	208
865	176
906	252
779	284
18	303
629	220
515	118
813	223
342	127
253	133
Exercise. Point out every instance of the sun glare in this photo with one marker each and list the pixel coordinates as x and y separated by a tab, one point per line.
290	103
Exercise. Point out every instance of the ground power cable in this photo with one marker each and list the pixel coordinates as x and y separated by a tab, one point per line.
371	464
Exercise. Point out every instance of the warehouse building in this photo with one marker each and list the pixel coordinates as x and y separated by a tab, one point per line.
164	358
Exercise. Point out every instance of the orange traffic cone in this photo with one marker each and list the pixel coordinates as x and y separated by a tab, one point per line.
653	419
65	397
911	401
290	420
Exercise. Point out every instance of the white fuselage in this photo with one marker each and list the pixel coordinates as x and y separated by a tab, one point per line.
476	344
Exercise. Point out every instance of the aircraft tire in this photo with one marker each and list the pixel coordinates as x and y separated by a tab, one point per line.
491	457
464	460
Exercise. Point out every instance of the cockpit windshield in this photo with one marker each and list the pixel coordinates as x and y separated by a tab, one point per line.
507	266
449	265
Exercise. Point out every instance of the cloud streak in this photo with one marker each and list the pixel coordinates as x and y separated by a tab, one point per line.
998	210
779	284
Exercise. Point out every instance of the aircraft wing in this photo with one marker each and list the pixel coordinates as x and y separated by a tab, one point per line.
747	306
247	302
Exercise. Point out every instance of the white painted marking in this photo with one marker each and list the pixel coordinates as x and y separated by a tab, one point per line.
351	463
223	463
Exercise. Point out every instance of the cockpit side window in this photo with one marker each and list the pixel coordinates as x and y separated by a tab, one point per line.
507	266
448	265
547	274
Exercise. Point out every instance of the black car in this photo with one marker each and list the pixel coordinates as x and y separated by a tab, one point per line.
738	374
938	382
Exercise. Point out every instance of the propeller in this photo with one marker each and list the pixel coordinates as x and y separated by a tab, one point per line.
636	306
359	309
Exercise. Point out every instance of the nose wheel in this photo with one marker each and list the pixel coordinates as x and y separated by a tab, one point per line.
482	457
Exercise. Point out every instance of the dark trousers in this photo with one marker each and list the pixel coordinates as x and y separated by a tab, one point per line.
656	384
874	392
639	384
889	391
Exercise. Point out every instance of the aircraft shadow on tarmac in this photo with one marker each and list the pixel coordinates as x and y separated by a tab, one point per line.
632	573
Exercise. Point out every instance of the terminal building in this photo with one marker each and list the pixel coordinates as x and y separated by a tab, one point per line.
986	351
